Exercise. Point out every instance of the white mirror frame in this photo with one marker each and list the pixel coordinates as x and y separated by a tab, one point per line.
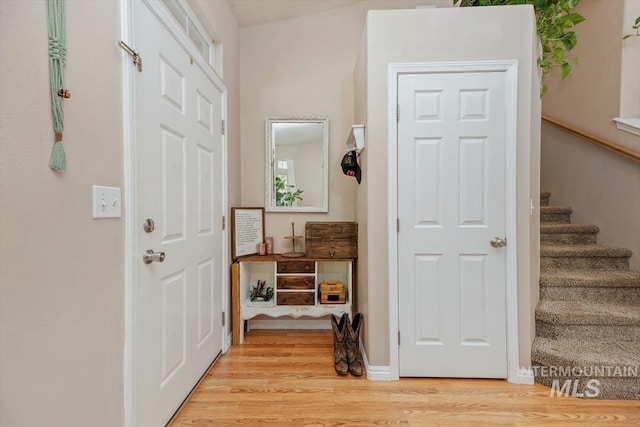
270	159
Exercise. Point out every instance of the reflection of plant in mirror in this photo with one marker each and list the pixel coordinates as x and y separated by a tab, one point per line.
636	27
286	195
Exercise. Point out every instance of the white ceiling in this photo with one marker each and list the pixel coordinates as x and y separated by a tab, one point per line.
256	12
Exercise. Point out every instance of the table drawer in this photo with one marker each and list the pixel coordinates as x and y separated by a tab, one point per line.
296	282
296	266
295	298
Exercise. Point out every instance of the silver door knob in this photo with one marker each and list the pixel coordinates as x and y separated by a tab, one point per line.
497	242
151	256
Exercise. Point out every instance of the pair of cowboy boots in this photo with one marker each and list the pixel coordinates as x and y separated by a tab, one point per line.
346	344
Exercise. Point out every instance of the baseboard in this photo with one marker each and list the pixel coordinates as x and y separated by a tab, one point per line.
227	343
525	376
375	373
288	323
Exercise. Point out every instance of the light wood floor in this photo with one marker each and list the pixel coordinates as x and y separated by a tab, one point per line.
286	378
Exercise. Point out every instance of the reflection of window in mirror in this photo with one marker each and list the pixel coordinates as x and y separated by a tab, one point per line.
286	192
297	153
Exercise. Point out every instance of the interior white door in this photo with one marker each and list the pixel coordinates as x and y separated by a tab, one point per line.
451	204
179	176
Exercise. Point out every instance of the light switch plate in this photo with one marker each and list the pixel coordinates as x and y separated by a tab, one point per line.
107	202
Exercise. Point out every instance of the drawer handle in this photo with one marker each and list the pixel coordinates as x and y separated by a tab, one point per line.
332	253
307	267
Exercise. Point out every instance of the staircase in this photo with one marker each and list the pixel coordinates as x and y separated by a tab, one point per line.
588	316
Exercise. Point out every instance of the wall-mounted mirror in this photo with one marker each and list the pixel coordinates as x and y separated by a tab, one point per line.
297	165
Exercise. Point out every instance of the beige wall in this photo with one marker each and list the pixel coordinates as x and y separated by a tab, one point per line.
424	36
62	302
603	189
361	100
302	67
630	91
62	272
590	97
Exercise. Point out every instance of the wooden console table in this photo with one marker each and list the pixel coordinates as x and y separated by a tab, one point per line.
295	282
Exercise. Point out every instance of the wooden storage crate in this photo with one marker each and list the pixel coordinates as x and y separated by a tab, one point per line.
332	292
331	239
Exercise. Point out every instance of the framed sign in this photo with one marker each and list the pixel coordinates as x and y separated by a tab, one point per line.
247	231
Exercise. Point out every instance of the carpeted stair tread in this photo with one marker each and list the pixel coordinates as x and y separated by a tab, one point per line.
584	251
554	228
556	210
590	278
579	352
588	313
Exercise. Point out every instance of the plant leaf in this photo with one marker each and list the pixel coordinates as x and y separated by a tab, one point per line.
572	3
570	41
566	69
574	18
543	90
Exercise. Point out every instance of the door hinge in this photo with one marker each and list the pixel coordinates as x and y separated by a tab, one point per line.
222	129
398	337
397	112
224	318
398	225
137	59
224	222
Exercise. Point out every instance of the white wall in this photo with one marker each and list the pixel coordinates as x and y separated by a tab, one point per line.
423	36
603	188
61	272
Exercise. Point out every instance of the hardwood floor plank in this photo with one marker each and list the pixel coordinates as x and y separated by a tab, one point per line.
286	378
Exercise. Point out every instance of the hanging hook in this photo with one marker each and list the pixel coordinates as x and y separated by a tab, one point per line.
64	93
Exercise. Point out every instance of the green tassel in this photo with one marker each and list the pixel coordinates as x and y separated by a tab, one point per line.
58	159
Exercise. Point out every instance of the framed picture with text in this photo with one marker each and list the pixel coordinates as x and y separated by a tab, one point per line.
247	231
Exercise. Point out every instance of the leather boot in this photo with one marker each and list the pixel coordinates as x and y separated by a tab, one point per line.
354	357
339	349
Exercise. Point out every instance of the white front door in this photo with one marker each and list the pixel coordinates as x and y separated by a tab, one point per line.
178	185
451	204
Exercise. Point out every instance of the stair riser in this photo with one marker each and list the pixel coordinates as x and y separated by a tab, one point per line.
544	201
577	239
556	218
575	293
618	388
585	263
597	333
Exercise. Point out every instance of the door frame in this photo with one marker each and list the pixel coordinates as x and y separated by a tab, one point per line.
132	259
510	68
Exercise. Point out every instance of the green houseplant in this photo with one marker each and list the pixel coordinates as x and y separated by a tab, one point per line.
555	20
286	194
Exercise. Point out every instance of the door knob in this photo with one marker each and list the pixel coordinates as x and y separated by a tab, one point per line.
151	256
497	242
